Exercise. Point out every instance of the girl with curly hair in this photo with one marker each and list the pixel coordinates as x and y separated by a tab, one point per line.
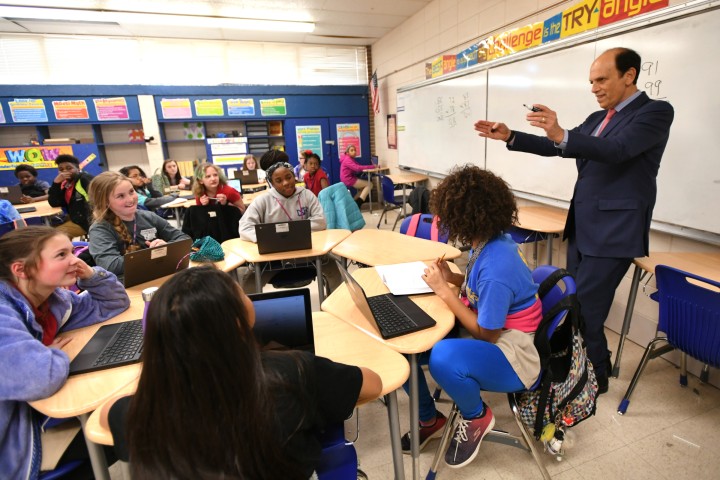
476	207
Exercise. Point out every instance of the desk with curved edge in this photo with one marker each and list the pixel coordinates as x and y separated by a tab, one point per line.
341	304
383	247
704	264
543	219
334	339
42	209
322	242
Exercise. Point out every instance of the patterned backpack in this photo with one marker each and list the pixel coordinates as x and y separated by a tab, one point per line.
568	388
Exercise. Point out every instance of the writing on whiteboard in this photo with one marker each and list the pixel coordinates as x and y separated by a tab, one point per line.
653	83
447	108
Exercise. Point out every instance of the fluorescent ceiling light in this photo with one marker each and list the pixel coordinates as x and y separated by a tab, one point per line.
190	21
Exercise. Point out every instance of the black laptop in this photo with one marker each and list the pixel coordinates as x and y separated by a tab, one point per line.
394	315
283	236
12	194
150	263
283	320
247	177
112	346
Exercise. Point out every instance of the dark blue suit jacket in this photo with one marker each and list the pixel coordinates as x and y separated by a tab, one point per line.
615	192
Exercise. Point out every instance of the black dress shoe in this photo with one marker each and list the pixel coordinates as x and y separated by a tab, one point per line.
602	381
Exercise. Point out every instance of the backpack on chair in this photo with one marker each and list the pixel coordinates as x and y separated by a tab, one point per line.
568	388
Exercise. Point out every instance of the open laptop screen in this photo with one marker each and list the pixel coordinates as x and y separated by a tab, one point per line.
283	319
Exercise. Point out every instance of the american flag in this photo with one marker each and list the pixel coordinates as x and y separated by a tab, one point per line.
374	94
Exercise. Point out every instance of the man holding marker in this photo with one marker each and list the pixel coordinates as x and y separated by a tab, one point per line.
617	152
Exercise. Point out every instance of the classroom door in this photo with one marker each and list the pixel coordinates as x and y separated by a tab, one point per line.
312	134
346	131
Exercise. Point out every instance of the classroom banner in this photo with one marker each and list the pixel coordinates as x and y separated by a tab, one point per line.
70	109
108	109
241	107
348	134
209	108
309	137
28	110
273	107
37	156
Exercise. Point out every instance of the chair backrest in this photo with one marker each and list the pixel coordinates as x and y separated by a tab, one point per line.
10	226
388	190
690	313
338	460
423	225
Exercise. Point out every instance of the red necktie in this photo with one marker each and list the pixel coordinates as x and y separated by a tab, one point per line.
609	115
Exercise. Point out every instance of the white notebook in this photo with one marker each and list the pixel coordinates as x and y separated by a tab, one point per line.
404	278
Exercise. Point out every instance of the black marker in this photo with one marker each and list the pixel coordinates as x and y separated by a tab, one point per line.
532	109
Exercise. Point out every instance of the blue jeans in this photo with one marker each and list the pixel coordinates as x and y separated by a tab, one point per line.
463	367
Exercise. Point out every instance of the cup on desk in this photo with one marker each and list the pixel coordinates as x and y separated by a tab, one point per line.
147	295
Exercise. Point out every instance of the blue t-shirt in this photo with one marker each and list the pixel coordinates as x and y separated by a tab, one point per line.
500	283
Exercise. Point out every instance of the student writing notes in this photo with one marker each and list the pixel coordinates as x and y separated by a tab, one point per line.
284	202
617	151
475	207
119	226
36	266
255	416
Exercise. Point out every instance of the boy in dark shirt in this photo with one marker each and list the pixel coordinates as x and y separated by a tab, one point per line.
69	191
33	190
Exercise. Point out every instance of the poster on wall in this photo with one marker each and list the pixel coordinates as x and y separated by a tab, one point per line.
241	107
40	156
392	131
70	109
209	108
309	137
28	110
273	107
175	108
348	134
111	108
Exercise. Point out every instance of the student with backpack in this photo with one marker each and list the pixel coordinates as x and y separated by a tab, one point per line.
498	305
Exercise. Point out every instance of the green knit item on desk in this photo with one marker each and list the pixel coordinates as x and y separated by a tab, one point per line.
207	249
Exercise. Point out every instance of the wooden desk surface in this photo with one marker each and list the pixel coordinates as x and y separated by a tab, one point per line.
334	339
408	177
322	242
541	218
253	186
704	264
340	304
42	209
87	391
383	247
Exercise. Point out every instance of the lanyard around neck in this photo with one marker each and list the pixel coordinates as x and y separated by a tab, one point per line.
300	209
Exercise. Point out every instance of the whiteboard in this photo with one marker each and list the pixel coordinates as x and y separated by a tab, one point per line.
678	66
434	122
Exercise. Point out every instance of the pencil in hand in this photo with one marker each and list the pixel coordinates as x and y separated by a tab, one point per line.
440	260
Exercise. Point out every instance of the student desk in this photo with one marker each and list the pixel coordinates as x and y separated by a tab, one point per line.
334	339
704	264
340	304
253	187
543	219
322	242
42	209
383	247
405	179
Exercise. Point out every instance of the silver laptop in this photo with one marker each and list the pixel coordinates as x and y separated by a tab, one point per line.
283	320
394	315
12	194
283	236
151	263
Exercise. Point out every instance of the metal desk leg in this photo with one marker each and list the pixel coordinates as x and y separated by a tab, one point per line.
370	194
258	277
320	279
550	242
394	422
414	417
97	454
637	276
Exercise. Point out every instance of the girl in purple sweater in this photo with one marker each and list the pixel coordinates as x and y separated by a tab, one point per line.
349	170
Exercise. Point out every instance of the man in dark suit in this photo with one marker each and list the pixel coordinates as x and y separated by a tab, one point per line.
617	151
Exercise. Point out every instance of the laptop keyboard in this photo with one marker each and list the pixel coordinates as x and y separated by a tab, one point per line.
389	317
125	347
